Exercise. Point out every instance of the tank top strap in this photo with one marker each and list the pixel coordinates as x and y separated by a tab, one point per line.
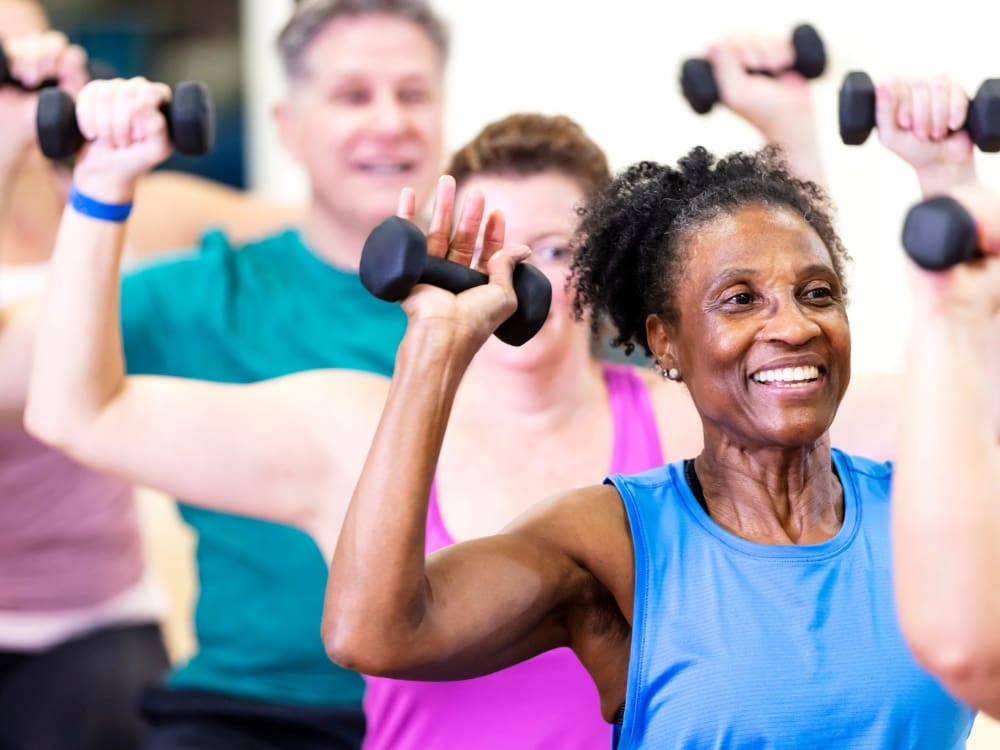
637	444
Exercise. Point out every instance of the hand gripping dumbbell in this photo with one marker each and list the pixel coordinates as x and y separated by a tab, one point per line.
940	233
190	119
857	112
394	259
698	81
7	79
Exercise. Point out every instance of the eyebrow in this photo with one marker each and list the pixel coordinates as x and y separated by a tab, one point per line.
733	273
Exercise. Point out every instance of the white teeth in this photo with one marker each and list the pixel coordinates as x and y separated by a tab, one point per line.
385	169
787	375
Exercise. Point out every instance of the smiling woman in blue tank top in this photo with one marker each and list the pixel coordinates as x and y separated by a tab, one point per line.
741	599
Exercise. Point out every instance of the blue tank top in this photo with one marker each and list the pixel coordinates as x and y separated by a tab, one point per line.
743	645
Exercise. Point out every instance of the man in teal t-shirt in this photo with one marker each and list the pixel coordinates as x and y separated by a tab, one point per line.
363	116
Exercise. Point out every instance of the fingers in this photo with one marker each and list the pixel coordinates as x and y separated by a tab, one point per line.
759	53
493	235
406	208
439	231
34	58
119	113
463	244
500	269
932	109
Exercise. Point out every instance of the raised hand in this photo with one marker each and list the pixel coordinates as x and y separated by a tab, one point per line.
126	136
920	120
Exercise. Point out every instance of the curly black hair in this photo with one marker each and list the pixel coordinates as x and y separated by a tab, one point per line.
629	244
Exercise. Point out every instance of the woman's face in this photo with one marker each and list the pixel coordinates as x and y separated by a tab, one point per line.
540	212
762	339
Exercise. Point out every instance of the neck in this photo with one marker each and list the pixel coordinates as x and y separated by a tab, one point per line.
335	239
772	495
542	398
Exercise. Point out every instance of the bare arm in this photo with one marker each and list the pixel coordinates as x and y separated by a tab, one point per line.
946	505
286	450
478	606
173	209
781	107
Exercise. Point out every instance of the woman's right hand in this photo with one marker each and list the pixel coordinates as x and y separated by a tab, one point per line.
126	136
463	321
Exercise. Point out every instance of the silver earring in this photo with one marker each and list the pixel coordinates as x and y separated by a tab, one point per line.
673	374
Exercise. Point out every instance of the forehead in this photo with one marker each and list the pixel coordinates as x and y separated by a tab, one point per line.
755	237
543	203
373	45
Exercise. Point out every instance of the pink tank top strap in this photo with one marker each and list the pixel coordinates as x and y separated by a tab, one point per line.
637	444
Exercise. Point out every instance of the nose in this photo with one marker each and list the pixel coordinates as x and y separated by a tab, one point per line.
790	324
389	115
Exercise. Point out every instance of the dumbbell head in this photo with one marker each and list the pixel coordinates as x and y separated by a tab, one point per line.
59	136
698	85
191	119
810	54
394	259
939	233
856	108
984	116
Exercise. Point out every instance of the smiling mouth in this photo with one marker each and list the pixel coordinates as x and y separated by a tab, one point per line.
788	377
385	169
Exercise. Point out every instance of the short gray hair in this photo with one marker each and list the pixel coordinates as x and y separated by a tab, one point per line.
312	16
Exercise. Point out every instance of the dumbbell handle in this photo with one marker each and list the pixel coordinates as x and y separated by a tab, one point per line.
388	272
6	79
190	122
940	233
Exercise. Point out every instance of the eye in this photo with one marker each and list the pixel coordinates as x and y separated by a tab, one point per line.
740	299
551	254
351	96
820	293
414	96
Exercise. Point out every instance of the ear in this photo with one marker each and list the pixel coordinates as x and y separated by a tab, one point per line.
285	119
660	337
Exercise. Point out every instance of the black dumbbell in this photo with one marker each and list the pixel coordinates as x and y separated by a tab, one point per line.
6	79
698	82
189	113
940	233
394	259
857	112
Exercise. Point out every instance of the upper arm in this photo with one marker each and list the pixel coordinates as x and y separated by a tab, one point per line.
287	450
173	209
538	585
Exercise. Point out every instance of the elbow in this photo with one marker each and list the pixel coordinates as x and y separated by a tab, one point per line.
351	645
47	426
968	668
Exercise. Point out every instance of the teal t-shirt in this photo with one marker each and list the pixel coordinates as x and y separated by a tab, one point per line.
239	315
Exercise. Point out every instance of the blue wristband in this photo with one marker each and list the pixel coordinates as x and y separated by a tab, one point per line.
95	209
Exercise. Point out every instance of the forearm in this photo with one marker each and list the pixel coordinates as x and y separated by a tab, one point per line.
799	140
78	364
946	509
377	594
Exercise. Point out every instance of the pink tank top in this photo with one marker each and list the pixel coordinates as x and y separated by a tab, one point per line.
544	703
69	537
